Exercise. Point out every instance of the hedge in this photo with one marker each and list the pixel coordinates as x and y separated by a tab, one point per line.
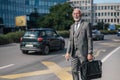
12	37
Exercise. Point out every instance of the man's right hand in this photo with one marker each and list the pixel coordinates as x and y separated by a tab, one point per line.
67	56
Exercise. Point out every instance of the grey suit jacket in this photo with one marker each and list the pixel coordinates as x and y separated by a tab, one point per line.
84	39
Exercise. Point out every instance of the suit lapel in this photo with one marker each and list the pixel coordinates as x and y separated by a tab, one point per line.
72	30
80	28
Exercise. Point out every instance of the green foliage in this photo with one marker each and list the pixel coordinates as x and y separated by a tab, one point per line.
64	33
3	39
108	32
13	37
59	18
117	27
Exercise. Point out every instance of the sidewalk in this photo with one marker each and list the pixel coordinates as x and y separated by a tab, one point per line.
111	66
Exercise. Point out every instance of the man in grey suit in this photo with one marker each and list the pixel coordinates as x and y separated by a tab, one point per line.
80	45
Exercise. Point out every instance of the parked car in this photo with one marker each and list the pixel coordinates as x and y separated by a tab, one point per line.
41	40
118	32
97	35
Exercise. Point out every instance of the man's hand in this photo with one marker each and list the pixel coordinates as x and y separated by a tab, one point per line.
90	57
67	56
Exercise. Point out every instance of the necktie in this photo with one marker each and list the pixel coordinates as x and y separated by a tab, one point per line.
76	26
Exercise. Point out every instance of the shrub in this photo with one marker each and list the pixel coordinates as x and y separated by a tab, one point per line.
13	37
63	33
3	39
108	32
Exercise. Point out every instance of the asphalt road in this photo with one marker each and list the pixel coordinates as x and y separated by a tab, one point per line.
17	66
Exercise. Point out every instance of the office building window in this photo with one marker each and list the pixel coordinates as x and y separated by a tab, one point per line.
98	7
111	13
111	20
102	14
117	13
32	2
105	7
108	13
118	20
98	14
108	7
114	13
115	7
101	7
108	20
105	14
111	7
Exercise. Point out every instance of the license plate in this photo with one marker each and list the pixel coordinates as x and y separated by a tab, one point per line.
28	45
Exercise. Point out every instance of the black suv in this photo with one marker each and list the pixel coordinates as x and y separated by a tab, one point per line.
42	40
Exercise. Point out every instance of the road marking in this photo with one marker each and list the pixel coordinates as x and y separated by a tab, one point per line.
117	40
105	58
6	66
108	44
97	53
58	71
61	73
52	68
35	73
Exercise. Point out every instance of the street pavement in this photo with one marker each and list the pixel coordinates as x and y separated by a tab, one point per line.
111	65
17	66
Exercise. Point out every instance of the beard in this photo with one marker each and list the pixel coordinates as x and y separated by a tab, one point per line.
77	19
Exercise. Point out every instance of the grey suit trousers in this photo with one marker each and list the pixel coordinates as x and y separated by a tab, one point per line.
75	64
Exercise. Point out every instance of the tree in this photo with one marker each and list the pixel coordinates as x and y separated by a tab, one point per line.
59	18
32	23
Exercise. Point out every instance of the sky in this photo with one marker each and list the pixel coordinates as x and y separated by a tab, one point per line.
106	1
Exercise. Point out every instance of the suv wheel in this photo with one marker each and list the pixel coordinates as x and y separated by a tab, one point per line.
46	50
24	51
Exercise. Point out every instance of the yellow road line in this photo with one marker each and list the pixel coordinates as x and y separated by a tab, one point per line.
53	68
99	52
35	73
58	71
108	44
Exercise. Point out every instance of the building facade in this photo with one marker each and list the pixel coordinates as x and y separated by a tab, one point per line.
107	13
9	9
94	13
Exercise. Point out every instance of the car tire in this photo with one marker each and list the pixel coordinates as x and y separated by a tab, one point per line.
24	51
46	50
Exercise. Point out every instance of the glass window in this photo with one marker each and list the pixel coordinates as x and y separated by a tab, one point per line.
111	13
105	7
32	2
105	14
108	13
102	14
118	20
114	20
108	7
117	13
98	14
111	7
31	33
111	20
98	7
114	13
